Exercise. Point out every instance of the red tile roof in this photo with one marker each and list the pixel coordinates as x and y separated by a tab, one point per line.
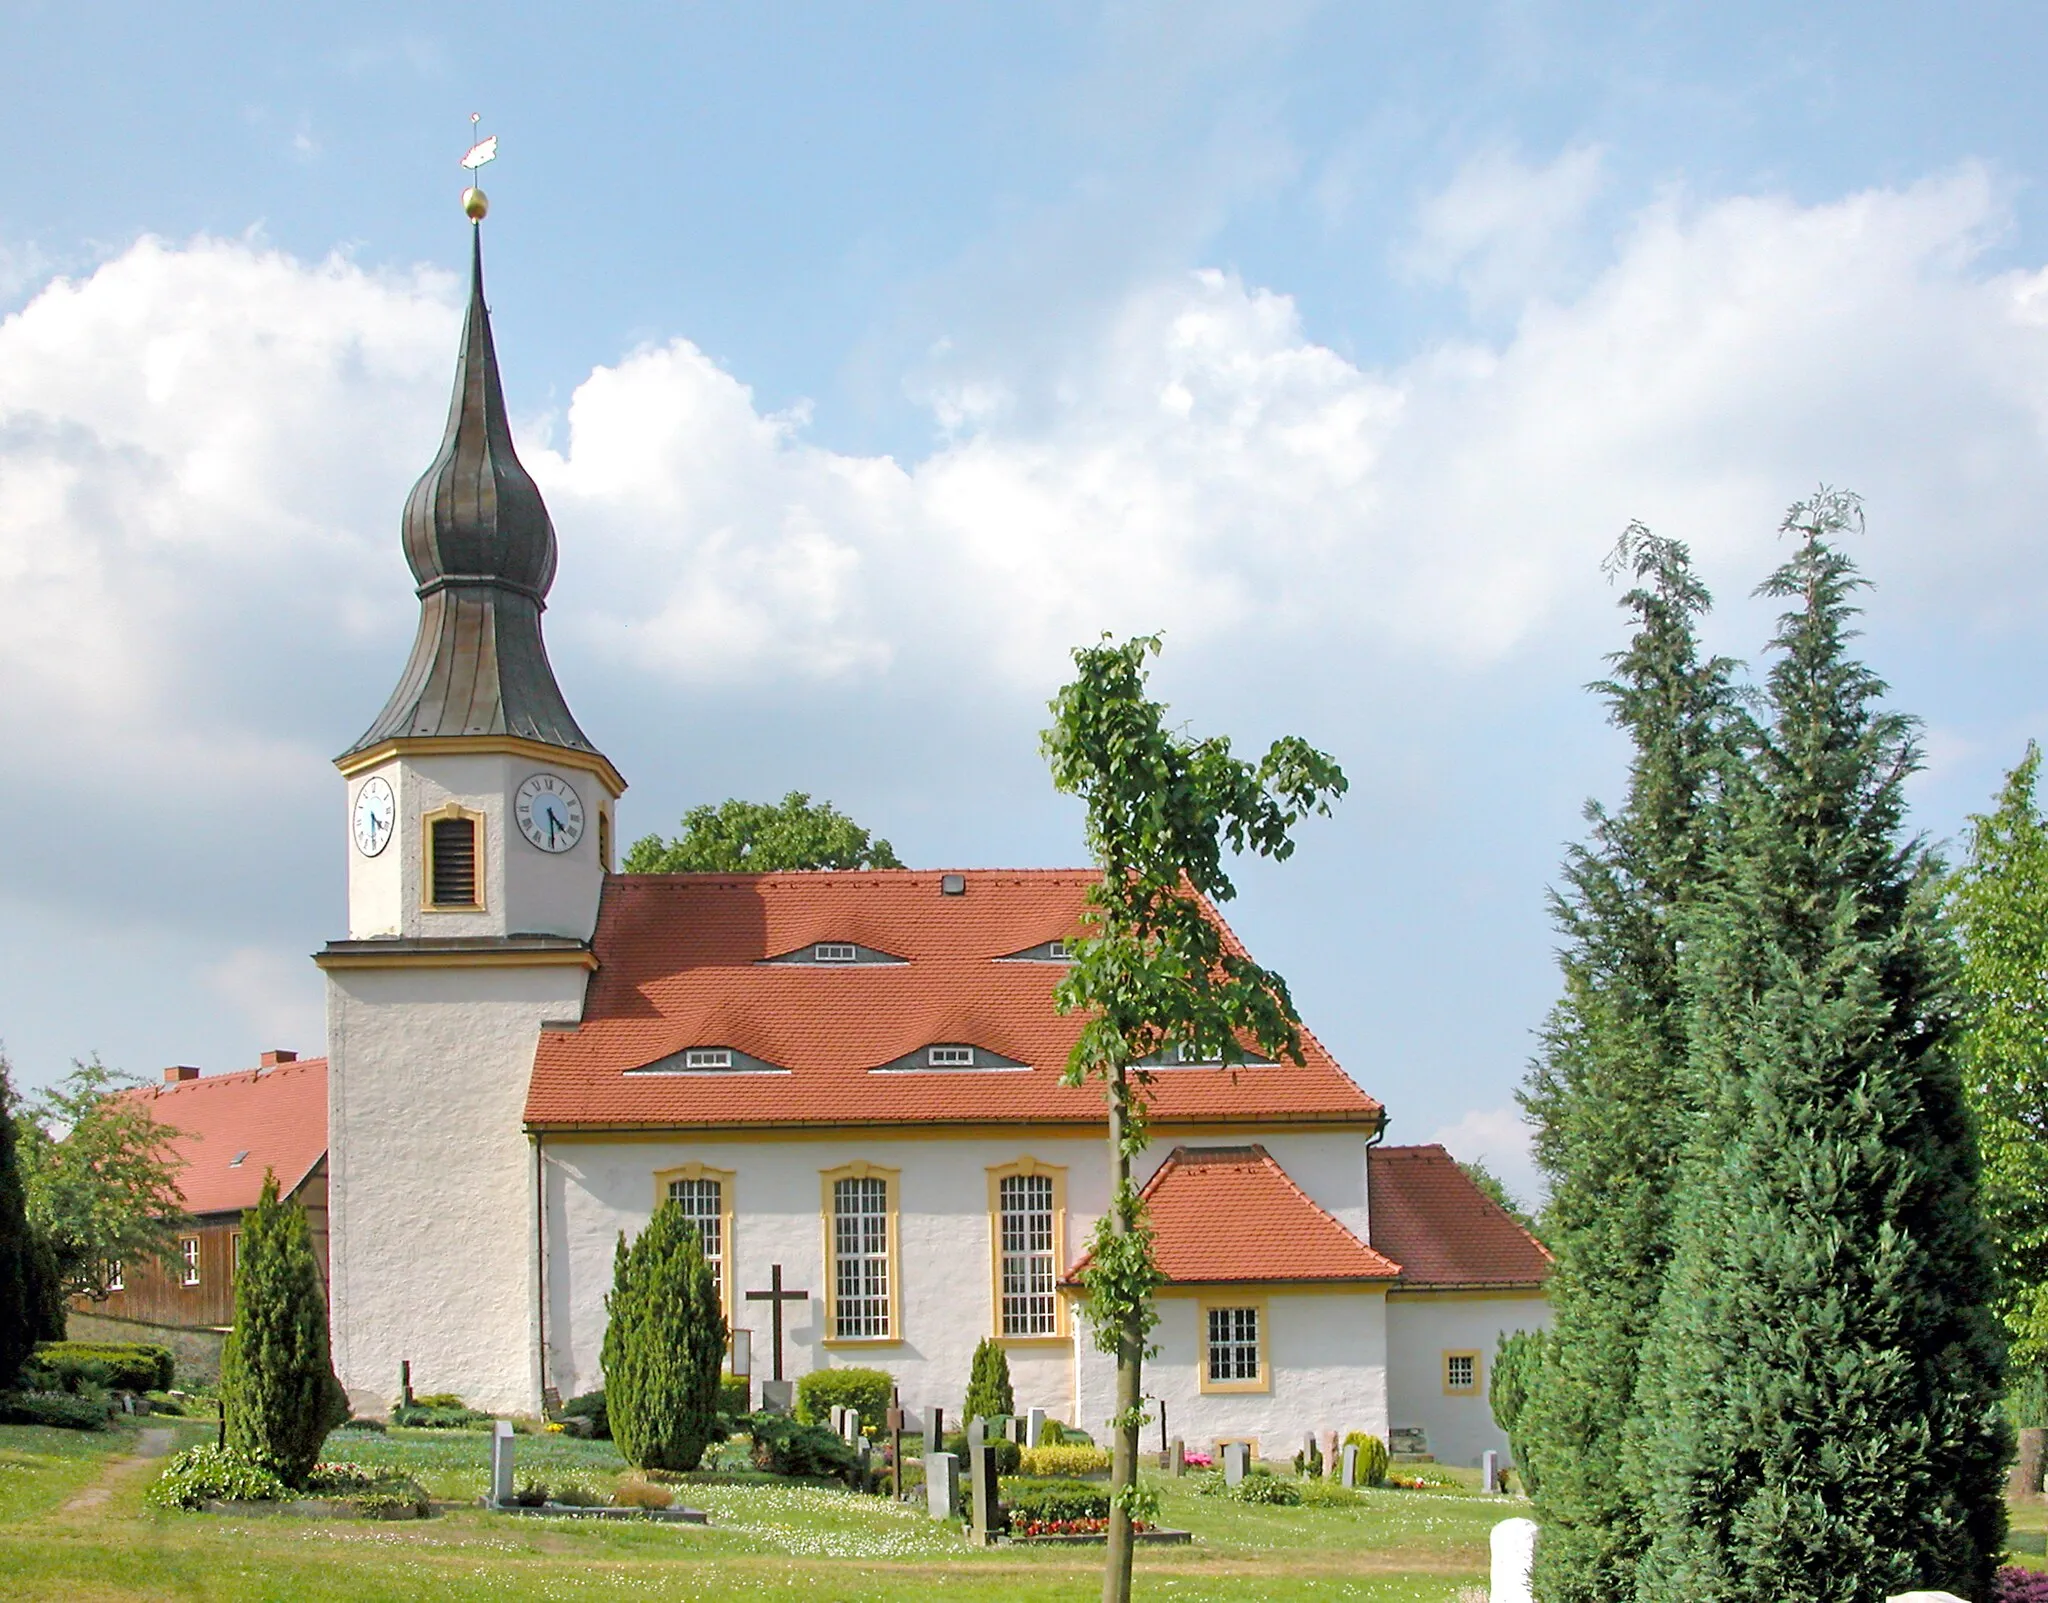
681	965
1231	1215
278	1116
1442	1229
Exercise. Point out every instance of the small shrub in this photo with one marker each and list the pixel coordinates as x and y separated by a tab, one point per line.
575	1494
210	1474
420	1417
590	1406
1328	1494
735	1396
1372	1458
1064	1460
989	1392
787	1447
403	1500
438	1399
137	1366
822	1390
339	1479
2016	1585
1009	1456
375	1426
58	1409
1041	1500
633	1492
1268	1490
530	1493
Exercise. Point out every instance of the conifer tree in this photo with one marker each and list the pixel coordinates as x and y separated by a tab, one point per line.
279	1396
989	1393
1608	1127
1819	1412
22	1262
664	1341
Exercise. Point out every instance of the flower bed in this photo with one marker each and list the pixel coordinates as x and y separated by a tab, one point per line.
2016	1585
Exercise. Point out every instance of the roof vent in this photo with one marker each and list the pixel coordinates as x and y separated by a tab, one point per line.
952	884
238	1159
178	1073
271	1060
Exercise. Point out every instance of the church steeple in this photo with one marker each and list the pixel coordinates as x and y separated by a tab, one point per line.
482	551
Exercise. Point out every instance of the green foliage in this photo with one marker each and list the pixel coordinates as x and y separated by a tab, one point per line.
1053	1499
1260	1486
1064	1459
823	1390
989	1393
590	1405
742	837
1998	904
1373	1457
1009	1456
735	1393
423	1416
1518	1365
1819	1405
1608	1093
62	1410
663	1344
784	1446
137	1366
24	1259
210	1474
102	1178
279	1396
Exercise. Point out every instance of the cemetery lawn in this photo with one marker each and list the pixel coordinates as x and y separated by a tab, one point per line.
814	1543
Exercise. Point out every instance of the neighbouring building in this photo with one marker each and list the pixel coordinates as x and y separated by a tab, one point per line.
851	1081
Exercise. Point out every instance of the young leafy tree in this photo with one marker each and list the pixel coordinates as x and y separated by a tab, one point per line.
279	1396
989	1393
1999	906
1154	971
664	1342
22	1294
1820	1412
102	1178
1605	1093
743	837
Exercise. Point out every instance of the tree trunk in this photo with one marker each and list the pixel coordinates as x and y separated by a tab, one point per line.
1130	1354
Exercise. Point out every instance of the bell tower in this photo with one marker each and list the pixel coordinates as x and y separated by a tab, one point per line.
478	828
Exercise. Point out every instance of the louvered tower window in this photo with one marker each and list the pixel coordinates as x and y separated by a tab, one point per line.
455	862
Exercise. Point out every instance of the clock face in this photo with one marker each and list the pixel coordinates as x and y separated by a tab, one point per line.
376	811
549	813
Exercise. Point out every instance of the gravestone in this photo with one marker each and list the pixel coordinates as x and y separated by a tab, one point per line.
1237	1458
501	1463
1329	1455
839	1421
849	1427
1310	1451
1034	1427
1177	1457
778	1397
942	1485
1408	1441
934	1429
1350	1469
863	1452
1489	1471
981	1466
1514	1550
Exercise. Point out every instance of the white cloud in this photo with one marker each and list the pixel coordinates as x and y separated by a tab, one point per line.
1500	1139
1504	229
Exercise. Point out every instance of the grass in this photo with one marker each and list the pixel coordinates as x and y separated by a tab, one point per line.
773	1539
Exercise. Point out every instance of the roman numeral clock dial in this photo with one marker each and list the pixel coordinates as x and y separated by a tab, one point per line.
375	810
550	813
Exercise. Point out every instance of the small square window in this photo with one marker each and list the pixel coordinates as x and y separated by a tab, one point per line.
949	1057
1461	1372
708	1057
1058	951
835	952
188	1250
1233	1345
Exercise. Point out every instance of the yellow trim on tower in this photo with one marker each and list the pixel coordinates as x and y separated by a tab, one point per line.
544	957
589	762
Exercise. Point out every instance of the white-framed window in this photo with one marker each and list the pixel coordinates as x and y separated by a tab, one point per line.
949	1057
708	1057
188	1250
1461	1372
860	1257
703	1204
1058	952
835	952
1233	1344
1025	1206
114	1280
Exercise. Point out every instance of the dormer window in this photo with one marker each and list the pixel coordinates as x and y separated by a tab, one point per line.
835	952
453	845
708	1057
1058	952
949	1057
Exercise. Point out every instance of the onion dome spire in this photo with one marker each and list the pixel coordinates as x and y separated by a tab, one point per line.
482	551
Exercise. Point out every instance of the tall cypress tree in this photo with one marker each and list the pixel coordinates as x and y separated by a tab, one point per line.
23	1262
664	1340
1602	1093
1819	1413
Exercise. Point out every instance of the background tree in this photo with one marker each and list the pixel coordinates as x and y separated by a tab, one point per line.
1518	1363
1999	907
743	837
1495	1190
102	1178
1820	1411
278	1393
989	1393
664	1340
1604	1094
1153	972
22	1294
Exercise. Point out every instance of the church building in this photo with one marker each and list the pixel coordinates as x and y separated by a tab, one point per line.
850	1080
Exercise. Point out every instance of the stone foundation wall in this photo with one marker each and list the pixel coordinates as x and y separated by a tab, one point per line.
197	1351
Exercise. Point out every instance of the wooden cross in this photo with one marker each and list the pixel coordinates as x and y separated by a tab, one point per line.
775	1297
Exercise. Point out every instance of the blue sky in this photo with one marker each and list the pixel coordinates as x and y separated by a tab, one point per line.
871	355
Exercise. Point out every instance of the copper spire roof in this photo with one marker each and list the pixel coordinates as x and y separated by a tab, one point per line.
482	549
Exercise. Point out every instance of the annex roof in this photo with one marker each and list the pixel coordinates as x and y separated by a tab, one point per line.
1231	1215
684	962
1444	1231
277	1116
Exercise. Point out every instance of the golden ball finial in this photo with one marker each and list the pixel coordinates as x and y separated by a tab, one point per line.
474	204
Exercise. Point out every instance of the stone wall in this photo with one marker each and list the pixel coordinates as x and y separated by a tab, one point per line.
197	1351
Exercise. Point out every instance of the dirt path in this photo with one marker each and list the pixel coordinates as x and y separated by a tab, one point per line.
153	1444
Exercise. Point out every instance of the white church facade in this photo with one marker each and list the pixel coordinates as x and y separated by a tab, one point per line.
850	1080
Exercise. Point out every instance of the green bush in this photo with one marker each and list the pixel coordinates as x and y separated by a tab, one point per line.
664	1341
590	1405
443	1400
989	1392
376	1425
135	1366
1372	1457
1064	1460
1009	1456
58	1409
577	1494
212	1474
1261	1487
1055	1500
420	1417
735	1396
789	1447
1328	1494
822	1390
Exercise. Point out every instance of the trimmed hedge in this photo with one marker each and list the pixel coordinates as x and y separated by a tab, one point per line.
1064	1461
1009	1456
59	1409
1055	1500
137	1366
822	1390
420	1417
788	1447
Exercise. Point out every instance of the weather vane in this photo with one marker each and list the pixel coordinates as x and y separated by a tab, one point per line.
474	201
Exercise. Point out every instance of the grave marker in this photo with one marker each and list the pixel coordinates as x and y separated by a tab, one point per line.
1350	1480
942	1485
981	1465
1489	1471
1237	1458
934	1429
778	1397
501	1463
1177	1457
1034	1427
1514	1550
1330	1440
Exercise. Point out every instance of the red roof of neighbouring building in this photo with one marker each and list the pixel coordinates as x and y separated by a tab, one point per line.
273	1117
683	962
1441	1228
1231	1215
